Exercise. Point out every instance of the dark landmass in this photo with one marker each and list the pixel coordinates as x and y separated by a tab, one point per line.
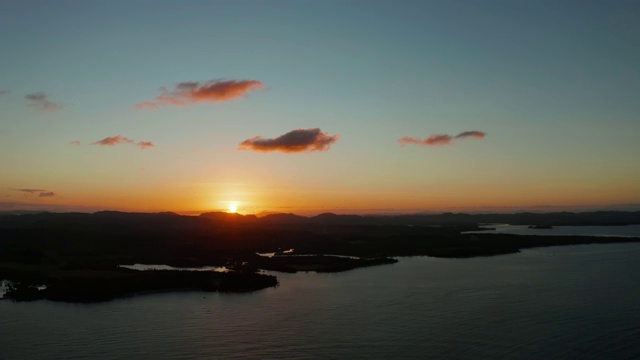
102	285
447	219
76	255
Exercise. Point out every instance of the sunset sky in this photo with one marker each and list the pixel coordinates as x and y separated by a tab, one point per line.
313	106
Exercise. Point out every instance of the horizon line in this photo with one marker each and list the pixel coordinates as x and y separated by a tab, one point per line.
368	212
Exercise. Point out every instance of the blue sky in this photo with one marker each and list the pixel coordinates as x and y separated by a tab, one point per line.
554	85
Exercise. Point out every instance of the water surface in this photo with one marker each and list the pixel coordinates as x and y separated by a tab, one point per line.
145	267
570	302
616	231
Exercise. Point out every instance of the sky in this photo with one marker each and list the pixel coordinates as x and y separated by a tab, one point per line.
313	106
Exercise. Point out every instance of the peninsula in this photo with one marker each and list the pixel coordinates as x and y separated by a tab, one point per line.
77	257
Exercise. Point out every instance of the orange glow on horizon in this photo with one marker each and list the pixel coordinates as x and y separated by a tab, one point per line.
253	197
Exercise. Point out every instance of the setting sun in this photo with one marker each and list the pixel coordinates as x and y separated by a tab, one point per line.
247	162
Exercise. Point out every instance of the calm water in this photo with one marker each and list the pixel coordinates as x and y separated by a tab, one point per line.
618	231
572	302
144	267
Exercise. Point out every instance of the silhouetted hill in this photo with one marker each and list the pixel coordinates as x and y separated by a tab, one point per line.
459	219
225	216
283	219
334	219
170	219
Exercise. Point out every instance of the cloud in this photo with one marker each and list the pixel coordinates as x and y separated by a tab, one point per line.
188	93
299	140
31	191
473	134
75	142
145	144
119	139
431	140
441	139
4	92
40	192
113	140
40	102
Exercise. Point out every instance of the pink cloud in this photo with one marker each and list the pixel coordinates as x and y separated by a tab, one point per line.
145	144
113	140
430	141
75	142
299	140
188	93
441	139
119	139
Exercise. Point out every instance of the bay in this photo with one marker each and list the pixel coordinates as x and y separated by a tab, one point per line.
569	302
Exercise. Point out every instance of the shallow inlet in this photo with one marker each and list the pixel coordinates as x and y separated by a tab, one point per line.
144	267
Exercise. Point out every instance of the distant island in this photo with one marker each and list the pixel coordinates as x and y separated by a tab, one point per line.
76	257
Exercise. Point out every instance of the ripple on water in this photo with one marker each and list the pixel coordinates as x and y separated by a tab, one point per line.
581	303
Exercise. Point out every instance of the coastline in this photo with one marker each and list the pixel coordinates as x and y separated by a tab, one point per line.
78	256
99	286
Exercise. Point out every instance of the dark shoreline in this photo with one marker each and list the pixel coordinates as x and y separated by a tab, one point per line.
77	255
87	286
128	283
500	244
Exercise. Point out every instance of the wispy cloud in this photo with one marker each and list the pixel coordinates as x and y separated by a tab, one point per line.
119	139
31	191
299	140
75	142
441	139
4	92
145	144
40	102
188	93
41	192
431	140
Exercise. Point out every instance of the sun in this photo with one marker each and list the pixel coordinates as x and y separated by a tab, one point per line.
233	207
